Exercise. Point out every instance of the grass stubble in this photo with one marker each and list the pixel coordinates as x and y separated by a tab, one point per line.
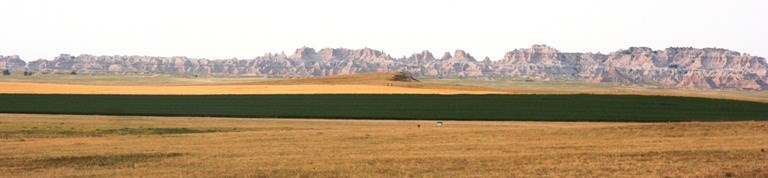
72	145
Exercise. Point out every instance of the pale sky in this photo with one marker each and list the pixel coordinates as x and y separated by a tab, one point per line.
219	29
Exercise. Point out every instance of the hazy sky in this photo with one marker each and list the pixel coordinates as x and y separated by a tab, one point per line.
245	29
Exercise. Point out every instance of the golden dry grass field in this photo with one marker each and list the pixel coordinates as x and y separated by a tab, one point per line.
109	146
377	83
45	88
371	83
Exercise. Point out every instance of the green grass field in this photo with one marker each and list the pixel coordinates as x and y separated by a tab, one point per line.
432	107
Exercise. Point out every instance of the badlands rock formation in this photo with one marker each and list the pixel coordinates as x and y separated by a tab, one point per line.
708	68
11	62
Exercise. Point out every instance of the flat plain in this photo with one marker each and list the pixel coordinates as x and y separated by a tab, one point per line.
99	146
372	83
508	107
376	83
39	145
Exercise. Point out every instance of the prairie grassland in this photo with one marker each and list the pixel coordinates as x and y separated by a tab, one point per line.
371	83
44	88
582	107
523	87
71	145
374	83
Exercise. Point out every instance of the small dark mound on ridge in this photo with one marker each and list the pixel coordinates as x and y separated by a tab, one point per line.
403	77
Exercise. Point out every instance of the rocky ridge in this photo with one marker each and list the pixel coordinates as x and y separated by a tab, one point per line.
707	68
